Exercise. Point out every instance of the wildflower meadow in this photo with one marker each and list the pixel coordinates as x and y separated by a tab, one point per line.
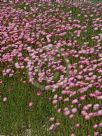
50	68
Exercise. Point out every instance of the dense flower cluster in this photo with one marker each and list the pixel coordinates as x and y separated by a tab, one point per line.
60	49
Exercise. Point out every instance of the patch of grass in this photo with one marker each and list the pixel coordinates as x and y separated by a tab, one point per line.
16	115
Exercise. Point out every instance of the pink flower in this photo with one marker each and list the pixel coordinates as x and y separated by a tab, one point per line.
30	104
39	93
96	106
66	112
96	133
82	97
75	101
72	134
1	81
54	102
95	126
100	124
77	125
74	110
87	117
71	116
59	110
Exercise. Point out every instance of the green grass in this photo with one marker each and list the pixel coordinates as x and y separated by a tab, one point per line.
15	115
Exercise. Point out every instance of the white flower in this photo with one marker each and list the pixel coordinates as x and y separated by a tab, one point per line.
51	127
4	99
51	119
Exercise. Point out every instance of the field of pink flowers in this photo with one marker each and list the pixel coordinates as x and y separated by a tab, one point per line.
51	68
